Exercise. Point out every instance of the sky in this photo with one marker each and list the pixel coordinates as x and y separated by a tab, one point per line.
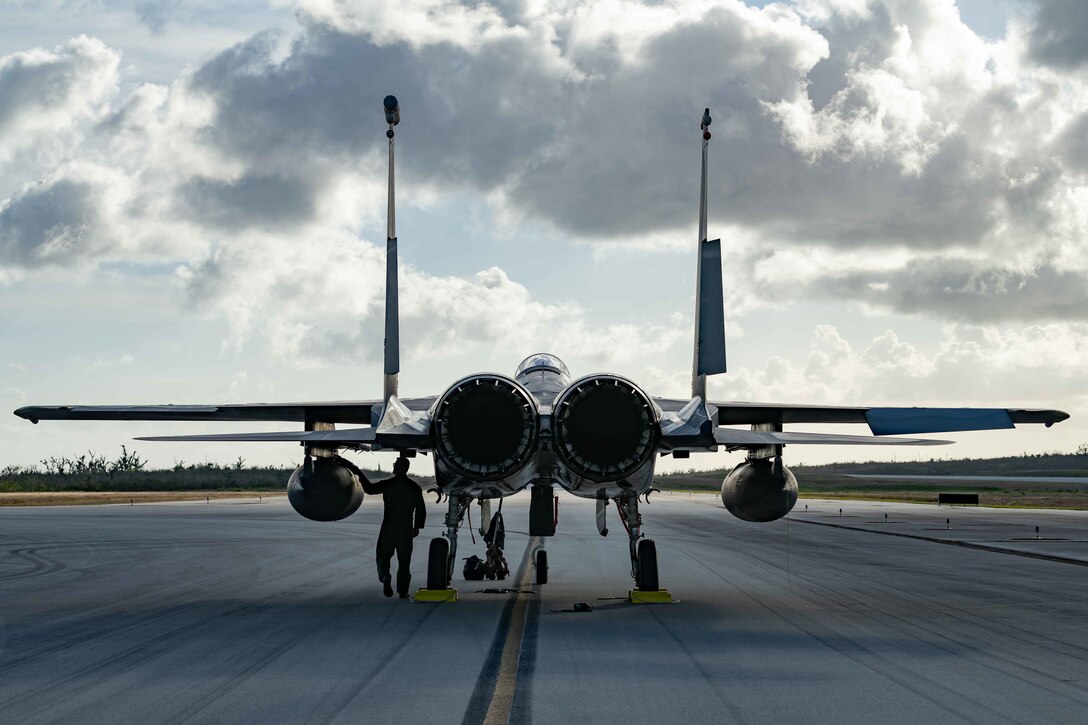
192	205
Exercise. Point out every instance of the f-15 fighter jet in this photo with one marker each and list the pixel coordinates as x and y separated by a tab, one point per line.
597	436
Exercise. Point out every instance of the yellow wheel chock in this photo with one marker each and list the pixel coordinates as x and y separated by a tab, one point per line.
435	595
649	596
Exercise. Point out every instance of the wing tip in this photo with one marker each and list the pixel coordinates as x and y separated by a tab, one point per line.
28	412
1056	416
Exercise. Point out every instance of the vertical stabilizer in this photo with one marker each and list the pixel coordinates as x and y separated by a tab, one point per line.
392	306
709	354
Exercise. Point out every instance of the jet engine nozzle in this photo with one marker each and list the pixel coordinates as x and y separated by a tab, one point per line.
752	491
328	492
392	110
605	427
485	427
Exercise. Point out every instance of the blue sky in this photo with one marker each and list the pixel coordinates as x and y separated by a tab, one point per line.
192	203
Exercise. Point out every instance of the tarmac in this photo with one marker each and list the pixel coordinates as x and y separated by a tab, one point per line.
242	611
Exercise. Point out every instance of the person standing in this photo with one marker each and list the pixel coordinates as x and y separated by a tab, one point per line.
405	515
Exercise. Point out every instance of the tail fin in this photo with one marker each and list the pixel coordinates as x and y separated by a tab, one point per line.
709	355
392	296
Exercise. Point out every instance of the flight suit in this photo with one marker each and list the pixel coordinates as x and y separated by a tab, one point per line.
405	515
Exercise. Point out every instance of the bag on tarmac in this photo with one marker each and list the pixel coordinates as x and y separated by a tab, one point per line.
495	567
474	568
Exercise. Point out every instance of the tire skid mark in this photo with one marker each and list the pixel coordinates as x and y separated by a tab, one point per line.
872	661
716	688
1013	668
392	652
132	624
92	675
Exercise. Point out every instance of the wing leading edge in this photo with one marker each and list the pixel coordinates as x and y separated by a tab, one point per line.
360	412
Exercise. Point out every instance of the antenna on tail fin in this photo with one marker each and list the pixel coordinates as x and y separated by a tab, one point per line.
709	356
392	307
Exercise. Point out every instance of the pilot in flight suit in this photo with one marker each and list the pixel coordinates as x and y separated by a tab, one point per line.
405	515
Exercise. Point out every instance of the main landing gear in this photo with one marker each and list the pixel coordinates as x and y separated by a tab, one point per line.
643	554
443	551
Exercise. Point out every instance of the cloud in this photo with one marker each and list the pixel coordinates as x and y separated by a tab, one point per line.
251	201
122	361
322	303
156	14
55	220
878	152
971	365
43	92
961	289
1059	33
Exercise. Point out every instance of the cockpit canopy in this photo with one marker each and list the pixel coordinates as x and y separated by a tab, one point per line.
542	361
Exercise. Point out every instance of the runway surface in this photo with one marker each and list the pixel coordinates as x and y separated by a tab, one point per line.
242	611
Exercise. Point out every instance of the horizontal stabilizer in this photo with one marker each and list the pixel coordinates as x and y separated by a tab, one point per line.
736	438
343	436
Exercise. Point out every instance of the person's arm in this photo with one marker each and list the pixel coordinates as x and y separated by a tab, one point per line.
421	510
373	489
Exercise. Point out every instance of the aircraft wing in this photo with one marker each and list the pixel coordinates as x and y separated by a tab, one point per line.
881	421
344	411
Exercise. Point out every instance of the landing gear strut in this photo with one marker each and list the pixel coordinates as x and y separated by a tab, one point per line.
643	551
443	551
543	515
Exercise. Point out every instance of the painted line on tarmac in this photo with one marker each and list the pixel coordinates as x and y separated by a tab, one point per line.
952	542
493	696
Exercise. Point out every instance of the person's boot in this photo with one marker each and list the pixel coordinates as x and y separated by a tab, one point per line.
387	585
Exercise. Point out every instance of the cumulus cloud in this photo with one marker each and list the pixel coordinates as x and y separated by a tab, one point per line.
322	303
873	151
43	92
971	365
1059	33
962	289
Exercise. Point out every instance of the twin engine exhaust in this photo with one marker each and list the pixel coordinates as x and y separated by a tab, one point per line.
486	427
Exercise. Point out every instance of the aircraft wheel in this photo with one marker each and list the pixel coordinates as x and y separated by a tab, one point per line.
541	566
438	564
647	566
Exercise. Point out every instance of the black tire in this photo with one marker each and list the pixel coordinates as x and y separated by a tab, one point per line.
438	564
647	566
541	566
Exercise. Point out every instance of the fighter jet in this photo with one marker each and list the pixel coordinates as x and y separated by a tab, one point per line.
597	436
